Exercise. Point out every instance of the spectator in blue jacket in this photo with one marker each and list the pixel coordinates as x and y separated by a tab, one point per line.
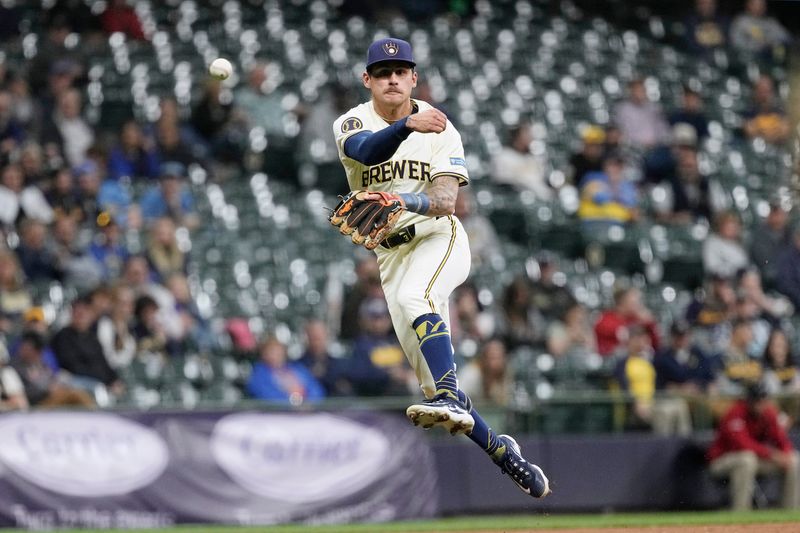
276	379
170	198
788	278
379	366
682	366
135	156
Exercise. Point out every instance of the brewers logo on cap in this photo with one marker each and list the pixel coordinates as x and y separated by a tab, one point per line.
390	48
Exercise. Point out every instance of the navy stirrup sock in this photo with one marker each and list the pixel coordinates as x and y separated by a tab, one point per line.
436	347
482	434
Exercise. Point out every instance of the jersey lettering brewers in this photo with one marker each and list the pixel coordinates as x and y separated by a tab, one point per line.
420	159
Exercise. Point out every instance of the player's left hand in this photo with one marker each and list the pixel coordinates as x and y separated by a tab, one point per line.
368	217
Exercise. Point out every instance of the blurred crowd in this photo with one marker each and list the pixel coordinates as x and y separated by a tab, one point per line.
102	221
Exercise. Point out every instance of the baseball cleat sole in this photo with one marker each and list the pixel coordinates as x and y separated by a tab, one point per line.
428	417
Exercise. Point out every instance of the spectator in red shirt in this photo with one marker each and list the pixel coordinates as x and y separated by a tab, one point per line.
120	17
612	327
749	441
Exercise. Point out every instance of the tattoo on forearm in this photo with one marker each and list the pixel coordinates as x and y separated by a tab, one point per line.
443	195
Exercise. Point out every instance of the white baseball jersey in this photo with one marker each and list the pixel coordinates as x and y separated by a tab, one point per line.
419	159
418	276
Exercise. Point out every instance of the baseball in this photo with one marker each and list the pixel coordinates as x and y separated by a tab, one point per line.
220	68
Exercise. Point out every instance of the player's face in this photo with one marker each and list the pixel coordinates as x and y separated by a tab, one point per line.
391	82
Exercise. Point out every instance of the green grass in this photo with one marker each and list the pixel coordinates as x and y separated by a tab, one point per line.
500	523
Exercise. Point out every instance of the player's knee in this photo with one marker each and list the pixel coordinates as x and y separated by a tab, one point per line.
412	304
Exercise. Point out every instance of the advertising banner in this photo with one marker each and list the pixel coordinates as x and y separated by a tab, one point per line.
102	469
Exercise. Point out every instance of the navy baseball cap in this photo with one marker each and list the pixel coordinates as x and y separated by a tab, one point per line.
389	49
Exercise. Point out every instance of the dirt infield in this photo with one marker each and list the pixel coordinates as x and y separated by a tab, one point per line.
727	528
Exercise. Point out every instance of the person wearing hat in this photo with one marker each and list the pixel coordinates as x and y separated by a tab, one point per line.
691	112
751	441
590	157
403	151
681	366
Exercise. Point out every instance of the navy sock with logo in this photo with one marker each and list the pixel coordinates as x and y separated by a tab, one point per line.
436	347
482	434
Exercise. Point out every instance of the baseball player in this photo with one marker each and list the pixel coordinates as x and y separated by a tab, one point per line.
404	156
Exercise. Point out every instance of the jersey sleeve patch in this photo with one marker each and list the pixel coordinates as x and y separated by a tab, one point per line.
351	124
458	161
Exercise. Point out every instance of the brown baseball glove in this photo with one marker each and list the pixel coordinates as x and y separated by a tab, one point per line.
368	217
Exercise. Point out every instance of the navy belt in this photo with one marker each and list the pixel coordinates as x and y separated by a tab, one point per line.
401	237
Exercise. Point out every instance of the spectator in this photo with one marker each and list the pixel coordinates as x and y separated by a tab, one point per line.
747	310
750	441
135	156
43	387
781	375
170	198
691	190
137	276
774	236
197	329
163	253
120	17
27	110
549	293
788	269
681	366
78	269
18	201
31	161
518	168
607	197
636	375
470	323
63	196
34	321
641	122
766	118
367	285
522	324
212	112
12	134
483	239
660	162
612	328
378	366
170	145
38	260
14	296
488	379
691	112
754	32
12	390
711	312
749	286
329	371
178	141
69	130
80	353
276	379
108	248
571	336
114	330
740	370
590	158
706	28
148	330
723	252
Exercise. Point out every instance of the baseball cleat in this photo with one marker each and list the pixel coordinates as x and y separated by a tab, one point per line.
528	476
441	411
